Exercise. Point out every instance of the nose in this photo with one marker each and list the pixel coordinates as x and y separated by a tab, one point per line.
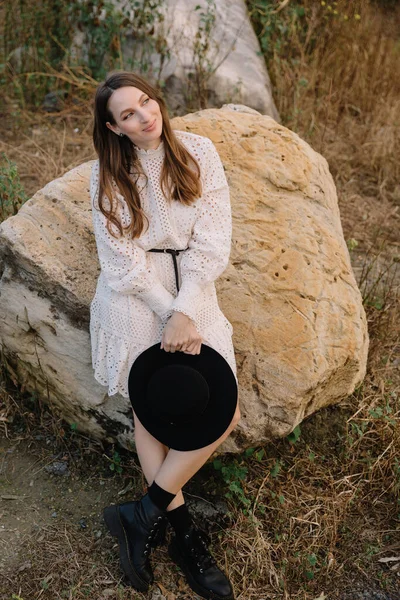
145	117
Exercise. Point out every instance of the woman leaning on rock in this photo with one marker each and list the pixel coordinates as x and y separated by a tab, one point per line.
162	223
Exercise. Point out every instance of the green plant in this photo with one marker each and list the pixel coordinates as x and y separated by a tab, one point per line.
273	27
294	435
147	20
351	244
104	27
202	61
115	463
12	193
101	24
276	469
311	562
62	45
234	474
35	39
206	58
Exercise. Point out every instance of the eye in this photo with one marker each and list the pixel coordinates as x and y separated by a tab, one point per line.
124	119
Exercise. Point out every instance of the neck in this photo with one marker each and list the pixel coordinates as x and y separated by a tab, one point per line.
153	145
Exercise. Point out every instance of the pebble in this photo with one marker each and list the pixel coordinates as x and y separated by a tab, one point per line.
58	467
208	513
368	595
157	595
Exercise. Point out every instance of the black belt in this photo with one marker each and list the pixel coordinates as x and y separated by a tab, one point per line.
174	254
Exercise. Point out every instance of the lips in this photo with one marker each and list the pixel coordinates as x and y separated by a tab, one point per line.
150	126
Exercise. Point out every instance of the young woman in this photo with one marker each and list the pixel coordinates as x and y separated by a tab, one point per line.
162	224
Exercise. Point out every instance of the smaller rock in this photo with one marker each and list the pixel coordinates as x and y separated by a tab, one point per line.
58	468
26	565
157	595
207	513
367	594
54	101
54	515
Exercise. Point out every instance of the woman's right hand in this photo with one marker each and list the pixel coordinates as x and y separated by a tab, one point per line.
180	334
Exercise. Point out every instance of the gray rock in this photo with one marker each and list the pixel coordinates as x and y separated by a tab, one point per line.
157	595
206	513
369	594
232	69
59	468
54	101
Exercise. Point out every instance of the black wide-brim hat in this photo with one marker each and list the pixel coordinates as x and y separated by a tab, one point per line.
185	401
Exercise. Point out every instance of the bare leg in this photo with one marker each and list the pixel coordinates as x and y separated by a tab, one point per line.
151	455
178	467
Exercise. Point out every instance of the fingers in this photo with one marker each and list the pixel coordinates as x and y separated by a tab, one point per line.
176	338
169	348
194	348
188	348
173	346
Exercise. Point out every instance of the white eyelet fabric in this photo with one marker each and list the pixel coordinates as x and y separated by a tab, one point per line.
136	290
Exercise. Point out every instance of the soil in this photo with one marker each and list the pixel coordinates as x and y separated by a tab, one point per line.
32	498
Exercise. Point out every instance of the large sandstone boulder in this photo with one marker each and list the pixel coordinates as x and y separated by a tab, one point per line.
300	332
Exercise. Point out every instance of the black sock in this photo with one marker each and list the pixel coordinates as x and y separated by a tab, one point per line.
180	519
160	497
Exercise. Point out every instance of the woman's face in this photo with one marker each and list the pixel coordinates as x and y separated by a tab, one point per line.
134	112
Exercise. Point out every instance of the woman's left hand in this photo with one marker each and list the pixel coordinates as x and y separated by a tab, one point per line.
180	334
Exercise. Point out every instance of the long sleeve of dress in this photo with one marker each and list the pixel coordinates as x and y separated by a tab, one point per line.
209	248
125	266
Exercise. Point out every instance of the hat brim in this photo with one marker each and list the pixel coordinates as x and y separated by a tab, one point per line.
217	416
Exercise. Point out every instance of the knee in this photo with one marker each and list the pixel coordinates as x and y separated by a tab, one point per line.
236	417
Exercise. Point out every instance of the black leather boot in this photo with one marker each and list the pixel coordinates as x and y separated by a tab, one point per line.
139	526
191	554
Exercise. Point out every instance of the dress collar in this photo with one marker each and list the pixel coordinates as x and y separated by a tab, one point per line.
153	152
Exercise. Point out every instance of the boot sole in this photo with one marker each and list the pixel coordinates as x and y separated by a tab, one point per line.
116	529
177	558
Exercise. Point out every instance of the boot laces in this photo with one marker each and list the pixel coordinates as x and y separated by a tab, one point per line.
199	550
153	535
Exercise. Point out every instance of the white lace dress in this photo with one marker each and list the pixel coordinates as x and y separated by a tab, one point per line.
136	290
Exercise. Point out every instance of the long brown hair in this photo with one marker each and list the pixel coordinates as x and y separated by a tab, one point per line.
180	174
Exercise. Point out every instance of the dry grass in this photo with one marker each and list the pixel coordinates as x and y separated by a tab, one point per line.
325	509
344	99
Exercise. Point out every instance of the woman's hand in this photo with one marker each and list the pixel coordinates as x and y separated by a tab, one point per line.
180	334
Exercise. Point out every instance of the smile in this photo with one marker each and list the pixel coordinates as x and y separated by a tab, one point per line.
150	128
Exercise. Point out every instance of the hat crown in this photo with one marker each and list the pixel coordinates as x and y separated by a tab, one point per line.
177	394
196	403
